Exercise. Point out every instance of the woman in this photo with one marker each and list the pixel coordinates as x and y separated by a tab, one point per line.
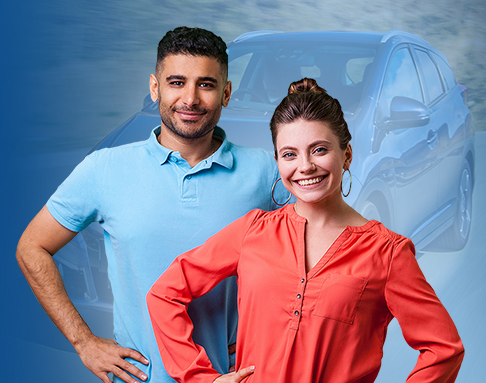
318	284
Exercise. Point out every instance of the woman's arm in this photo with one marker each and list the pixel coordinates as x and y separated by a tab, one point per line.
425	323
190	276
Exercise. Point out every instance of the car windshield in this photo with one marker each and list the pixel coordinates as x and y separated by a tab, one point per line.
262	72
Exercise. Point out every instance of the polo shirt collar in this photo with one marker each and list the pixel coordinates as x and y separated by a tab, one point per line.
222	156
158	151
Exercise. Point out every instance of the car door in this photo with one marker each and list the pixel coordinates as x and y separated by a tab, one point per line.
448	115
412	148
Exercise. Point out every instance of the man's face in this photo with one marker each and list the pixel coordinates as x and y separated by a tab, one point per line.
191	91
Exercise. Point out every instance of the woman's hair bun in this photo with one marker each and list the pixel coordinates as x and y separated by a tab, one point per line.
306	85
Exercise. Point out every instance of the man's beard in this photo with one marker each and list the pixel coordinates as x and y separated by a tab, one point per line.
203	130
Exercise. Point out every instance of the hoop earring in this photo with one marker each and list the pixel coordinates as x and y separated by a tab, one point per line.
273	198
350	183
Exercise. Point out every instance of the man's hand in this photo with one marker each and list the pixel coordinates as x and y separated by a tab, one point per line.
103	356
235	377
42	238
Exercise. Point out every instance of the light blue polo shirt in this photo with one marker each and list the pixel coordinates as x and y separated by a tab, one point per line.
153	206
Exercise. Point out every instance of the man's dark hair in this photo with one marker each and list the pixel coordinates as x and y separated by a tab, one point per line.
194	42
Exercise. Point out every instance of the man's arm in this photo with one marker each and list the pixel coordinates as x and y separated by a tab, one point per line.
41	239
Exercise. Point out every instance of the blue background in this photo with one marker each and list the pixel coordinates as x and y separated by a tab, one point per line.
73	71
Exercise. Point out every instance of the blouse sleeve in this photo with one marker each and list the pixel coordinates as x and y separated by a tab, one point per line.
190	276
425	323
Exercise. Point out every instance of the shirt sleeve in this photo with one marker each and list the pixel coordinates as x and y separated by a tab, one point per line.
75	202
425	323
190	276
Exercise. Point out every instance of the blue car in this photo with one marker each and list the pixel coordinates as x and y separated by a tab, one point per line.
413	136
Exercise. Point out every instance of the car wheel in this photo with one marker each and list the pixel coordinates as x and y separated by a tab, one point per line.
457	236
371	211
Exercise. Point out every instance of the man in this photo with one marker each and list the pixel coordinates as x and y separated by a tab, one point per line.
155	199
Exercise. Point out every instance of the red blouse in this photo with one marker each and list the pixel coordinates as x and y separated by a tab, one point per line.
327	325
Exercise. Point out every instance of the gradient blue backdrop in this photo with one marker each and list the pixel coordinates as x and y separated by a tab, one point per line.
70	73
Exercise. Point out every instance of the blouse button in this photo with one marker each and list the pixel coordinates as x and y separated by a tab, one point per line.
296	312
299	296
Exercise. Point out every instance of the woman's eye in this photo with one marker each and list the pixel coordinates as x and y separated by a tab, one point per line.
287	155
320	150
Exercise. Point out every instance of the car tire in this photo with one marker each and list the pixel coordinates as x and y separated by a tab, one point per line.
457	235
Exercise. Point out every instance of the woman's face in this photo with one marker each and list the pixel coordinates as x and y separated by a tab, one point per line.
310	160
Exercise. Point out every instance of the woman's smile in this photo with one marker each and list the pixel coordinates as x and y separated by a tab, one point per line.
310	181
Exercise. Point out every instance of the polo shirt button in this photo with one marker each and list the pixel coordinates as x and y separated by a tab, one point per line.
302	281
189	177
299	296
296	312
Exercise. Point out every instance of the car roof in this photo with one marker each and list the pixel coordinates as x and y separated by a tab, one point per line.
330	36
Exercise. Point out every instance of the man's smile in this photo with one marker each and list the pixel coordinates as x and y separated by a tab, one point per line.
190	114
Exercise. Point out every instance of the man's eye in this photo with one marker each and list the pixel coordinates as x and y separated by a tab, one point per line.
206	85
176	83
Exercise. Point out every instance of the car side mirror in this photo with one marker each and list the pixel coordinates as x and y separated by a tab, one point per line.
406	112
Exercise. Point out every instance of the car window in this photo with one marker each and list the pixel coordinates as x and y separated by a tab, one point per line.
431	77
237	68
401	79
356	69
446	71
262	72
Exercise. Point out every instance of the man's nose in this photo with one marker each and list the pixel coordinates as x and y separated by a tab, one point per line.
191	95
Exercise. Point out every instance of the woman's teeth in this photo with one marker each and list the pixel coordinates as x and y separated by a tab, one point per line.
310	181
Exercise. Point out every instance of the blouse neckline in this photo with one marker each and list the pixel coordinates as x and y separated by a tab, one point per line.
290	211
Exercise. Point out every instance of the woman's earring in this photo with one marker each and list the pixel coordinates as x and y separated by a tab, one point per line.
275	202
350	182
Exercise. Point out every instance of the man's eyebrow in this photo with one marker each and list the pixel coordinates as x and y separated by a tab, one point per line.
173	77
208	79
